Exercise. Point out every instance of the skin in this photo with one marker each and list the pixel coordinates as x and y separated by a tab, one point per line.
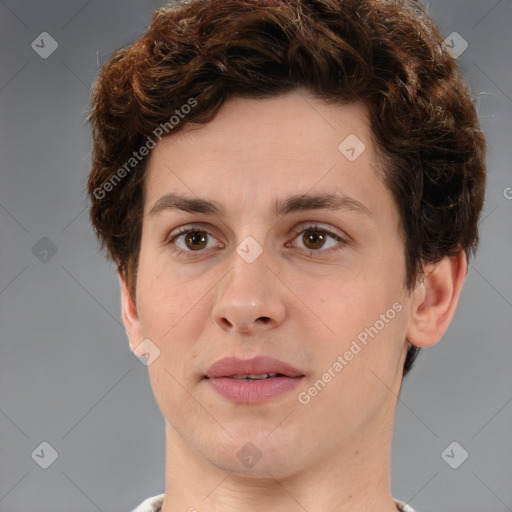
299	302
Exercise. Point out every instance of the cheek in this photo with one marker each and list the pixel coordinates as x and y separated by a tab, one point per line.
348	301
164	297
359	363
174	316
365	309
168	313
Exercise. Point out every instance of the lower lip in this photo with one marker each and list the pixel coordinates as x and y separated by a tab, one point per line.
253	391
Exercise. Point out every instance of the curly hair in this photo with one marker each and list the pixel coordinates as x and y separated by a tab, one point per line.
387	54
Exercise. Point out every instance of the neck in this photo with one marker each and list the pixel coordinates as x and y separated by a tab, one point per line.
353	478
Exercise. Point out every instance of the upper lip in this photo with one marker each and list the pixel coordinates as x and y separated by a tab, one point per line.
230	366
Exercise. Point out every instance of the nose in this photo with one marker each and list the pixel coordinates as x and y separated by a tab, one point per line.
250	299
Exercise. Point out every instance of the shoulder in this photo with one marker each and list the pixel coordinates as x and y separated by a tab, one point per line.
403	507
153	504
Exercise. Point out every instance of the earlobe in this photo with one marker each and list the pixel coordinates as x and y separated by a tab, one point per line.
435	299
130	315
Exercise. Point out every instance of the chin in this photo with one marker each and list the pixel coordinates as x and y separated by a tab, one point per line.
267	467
253	453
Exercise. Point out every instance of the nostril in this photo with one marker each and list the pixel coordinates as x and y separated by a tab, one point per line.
226	322
264	319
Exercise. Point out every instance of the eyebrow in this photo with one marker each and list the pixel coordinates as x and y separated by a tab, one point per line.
295	203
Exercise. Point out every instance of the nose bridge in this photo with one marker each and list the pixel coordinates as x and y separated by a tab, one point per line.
250	298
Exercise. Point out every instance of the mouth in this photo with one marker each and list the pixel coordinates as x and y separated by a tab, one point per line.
257	368
253	376
254	380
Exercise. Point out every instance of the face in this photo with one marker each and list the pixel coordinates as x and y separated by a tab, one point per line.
269	232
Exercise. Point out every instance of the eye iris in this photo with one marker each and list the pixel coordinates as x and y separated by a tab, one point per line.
313	239
196	237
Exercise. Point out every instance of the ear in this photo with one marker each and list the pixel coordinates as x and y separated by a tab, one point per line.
130	316
434	300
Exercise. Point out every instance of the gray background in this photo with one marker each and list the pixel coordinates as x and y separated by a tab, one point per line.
67	376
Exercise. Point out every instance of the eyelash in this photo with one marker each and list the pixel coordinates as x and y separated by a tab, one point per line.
297	231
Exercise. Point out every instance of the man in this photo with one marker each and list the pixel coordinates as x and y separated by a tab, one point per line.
290	191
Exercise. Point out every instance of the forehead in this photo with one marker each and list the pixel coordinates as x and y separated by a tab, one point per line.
256	150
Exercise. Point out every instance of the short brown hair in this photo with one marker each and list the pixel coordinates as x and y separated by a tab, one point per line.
388	55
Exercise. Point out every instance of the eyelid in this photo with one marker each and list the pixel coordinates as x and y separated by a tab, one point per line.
312	225
342	239
296	230
170	241
187	228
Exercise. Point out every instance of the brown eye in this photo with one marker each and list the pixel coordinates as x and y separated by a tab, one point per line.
196	240
313	239
192	242
318	240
